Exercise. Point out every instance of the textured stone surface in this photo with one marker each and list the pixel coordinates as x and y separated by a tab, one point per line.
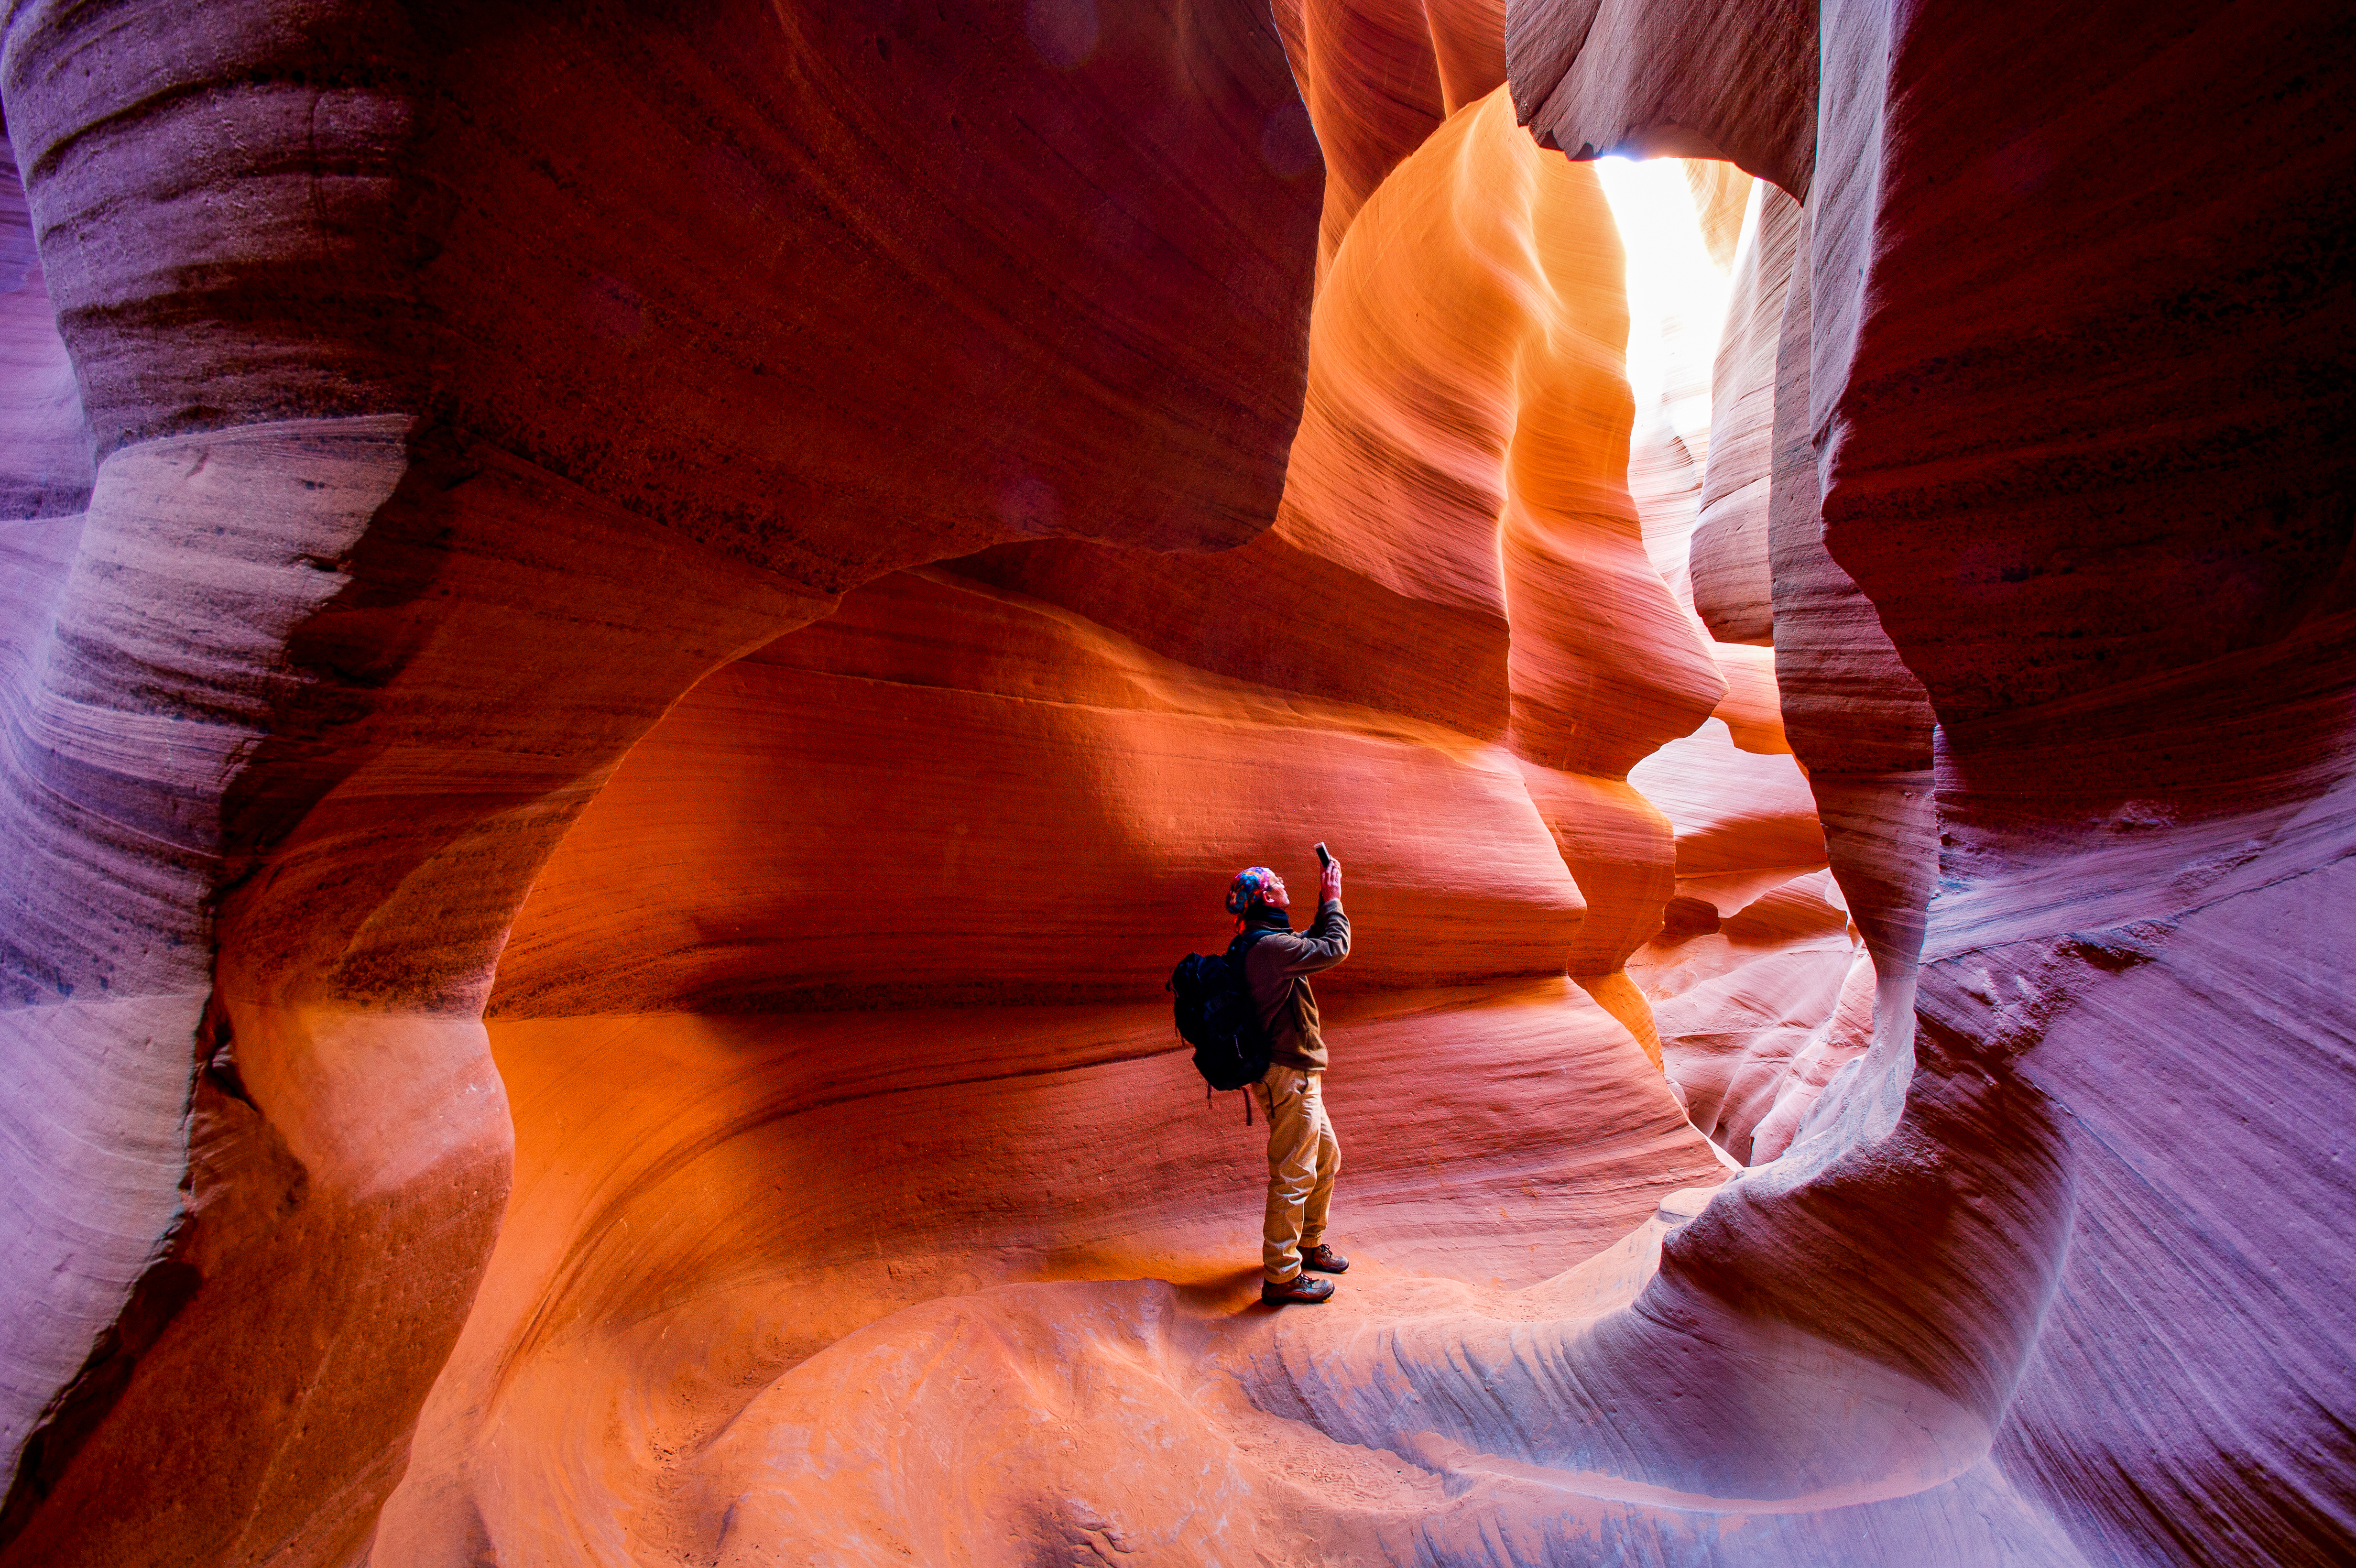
48	471
761	1187
1459	488
2022	510
446	433
565	518
936	796
1697	78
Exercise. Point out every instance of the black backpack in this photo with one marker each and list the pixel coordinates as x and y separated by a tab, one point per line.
1218	1017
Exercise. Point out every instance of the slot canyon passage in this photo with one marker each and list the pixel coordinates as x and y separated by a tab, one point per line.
634	633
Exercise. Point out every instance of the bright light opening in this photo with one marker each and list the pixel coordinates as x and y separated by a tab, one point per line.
1677	295
1676	308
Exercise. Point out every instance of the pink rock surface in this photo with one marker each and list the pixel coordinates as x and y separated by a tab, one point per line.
1755	1031
446	434
41	431
1977	480
512	442
1694	80
1734	812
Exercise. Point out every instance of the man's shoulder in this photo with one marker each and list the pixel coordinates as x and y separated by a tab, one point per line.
1274	943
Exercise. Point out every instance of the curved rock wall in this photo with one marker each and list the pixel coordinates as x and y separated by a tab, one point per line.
1693	79
2084	854
2076	876
560	522
943	794
447	431
927	859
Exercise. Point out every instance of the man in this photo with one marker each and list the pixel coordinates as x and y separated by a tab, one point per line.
1303	1154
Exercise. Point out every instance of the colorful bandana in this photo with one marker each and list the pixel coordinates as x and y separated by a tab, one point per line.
1248	887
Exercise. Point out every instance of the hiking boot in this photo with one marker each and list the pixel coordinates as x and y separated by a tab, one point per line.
1323	1259
1300	1288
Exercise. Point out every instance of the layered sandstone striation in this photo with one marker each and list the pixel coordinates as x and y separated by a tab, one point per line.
631	641
2077	878
924	858
446	434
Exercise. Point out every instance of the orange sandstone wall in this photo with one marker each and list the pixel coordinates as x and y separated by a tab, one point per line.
411	447
946	794
997	797
510	1058
465	384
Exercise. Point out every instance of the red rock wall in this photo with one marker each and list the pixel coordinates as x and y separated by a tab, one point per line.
582	510
2092	924
1697	78
2013	1210
464	385
949	795
993	800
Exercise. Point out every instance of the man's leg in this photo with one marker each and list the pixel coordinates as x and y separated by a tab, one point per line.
1292	1148
1326	1151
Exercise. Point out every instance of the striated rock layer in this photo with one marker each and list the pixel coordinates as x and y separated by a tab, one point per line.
2014	1211
631	641
1019	780
447	429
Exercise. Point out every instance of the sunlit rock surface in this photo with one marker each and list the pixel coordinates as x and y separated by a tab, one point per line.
463	388
631	641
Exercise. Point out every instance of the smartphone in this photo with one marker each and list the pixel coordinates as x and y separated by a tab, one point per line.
1324	858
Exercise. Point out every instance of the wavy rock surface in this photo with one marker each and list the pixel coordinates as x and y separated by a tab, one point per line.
2074	862
46	447
880	856
760	1187
2087	858
446	435
943	795
554	484
1696	79
1466	401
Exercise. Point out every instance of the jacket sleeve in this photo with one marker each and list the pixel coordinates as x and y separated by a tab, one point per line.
1323	945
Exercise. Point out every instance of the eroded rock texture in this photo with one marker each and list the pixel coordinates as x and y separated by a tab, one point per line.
464	385
632	640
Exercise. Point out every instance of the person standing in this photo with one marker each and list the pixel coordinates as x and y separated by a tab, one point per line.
1302	1153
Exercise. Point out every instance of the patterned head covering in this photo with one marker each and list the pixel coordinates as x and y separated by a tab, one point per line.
1250	887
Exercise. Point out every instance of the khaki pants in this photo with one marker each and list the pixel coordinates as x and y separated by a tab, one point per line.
1303	1156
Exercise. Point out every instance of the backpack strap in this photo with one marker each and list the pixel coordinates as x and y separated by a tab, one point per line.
1239	950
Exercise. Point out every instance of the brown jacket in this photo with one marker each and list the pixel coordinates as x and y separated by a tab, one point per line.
1279	968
